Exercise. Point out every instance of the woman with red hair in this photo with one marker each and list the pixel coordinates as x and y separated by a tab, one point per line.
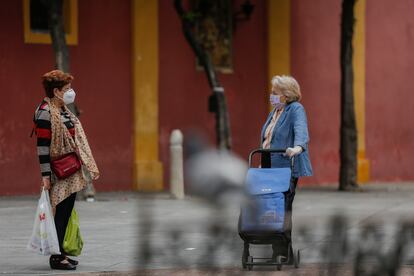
66	160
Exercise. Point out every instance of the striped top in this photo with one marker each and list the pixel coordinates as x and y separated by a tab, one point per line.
43	132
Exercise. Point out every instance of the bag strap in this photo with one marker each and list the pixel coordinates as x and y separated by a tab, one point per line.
37	117
35	120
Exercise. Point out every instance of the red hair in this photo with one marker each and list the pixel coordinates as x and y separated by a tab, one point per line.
55	79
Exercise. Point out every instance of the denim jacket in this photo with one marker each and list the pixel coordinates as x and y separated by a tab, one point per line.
291	130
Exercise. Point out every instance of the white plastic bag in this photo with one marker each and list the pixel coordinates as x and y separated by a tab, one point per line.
44	240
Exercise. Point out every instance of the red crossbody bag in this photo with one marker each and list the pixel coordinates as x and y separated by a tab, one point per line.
66	165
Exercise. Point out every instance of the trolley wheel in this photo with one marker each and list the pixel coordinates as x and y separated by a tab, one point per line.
296	258
250	260
279	267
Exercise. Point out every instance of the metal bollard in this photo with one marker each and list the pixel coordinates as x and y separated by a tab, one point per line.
176	164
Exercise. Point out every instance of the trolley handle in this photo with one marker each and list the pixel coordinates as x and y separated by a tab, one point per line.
292	159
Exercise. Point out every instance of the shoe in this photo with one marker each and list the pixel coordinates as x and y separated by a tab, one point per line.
56	263
277	259
74	262
90	199
63	266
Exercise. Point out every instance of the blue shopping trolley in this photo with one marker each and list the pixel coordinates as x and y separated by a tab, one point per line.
267	217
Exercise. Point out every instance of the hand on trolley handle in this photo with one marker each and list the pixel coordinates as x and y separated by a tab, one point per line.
293	151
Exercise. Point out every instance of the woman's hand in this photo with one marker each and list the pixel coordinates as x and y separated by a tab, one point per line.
46	182
293	151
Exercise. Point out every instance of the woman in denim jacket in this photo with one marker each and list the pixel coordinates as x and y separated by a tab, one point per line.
286	128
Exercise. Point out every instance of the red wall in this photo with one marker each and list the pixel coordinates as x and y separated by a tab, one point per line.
315	52
390	97
184	91
102	82
315	33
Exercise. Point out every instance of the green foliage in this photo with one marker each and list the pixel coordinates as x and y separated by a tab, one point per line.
191	16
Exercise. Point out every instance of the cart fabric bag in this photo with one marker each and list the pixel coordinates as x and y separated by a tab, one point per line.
266	210
73	243
44	240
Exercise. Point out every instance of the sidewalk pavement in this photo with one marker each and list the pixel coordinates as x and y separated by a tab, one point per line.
128	233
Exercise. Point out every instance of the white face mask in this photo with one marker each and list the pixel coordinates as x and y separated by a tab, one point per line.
69	96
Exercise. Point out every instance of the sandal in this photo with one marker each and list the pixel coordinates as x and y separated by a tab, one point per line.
59	262
74	262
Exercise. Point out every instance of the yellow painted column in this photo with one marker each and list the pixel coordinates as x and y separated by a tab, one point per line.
278	37
359	88
148	169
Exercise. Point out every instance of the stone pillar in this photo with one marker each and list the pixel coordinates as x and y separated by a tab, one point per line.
176	164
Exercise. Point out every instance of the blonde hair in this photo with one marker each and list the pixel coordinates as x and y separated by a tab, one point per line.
288	86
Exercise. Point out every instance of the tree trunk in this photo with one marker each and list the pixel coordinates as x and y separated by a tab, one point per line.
57	33
348	150
217	101
60	48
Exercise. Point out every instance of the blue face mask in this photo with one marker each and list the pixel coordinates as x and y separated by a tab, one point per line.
275	101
